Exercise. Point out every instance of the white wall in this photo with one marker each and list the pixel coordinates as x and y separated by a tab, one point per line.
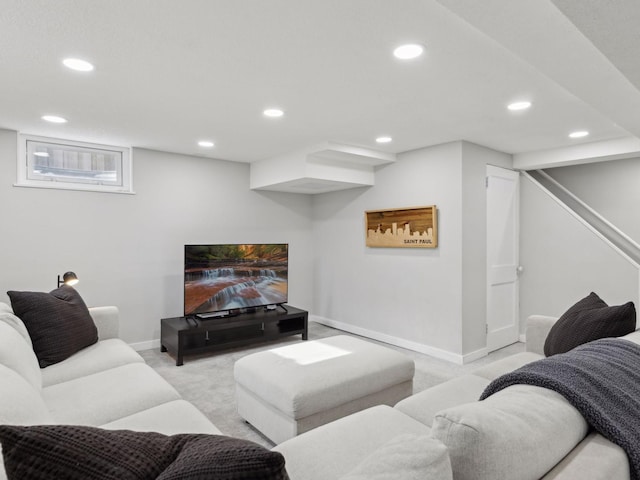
430	300
564	261
610	188
408	294
128	249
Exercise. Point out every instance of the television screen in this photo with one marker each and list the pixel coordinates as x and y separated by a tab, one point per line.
234	276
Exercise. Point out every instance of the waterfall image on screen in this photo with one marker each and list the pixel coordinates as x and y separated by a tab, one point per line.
234	276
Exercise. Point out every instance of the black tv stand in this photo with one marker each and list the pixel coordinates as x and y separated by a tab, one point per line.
182	336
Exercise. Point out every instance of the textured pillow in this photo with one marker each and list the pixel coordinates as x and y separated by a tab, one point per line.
589	319
46	452
216	457
409	457
59	322
519	433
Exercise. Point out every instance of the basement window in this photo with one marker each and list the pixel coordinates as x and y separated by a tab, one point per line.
65	164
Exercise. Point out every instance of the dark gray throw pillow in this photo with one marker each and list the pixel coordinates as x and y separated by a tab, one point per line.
45	452
589	319
59	322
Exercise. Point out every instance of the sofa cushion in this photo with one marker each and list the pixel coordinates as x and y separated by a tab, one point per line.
7	316
107	396
95	358
595	458
519	433
18	355
505	365
59	322
86	453
589	319
633	337
341	445
408	457
424	405
20	402
177	416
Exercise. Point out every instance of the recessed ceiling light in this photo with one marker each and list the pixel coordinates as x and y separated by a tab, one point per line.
578	134
54	119
273	112
519	105
383	139
78	64
408	51
206	143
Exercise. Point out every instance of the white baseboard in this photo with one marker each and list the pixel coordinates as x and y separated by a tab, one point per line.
148	345
470	357
401	342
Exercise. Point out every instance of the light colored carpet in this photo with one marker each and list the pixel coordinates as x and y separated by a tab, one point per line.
207	380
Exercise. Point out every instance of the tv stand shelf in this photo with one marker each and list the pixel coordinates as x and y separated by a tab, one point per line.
182	336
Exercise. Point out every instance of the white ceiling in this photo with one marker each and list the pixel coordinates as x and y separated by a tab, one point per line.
171	72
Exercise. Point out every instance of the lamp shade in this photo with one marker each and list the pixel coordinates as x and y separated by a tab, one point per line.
69	278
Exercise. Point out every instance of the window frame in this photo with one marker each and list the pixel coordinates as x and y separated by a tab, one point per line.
26	177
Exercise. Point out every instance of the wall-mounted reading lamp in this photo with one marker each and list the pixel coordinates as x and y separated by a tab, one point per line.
68	278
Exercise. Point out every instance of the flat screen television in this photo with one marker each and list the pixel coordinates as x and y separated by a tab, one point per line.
231	277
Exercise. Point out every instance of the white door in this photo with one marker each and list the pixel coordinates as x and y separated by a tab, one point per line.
502	257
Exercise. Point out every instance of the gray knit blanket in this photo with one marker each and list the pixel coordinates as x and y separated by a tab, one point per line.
601	379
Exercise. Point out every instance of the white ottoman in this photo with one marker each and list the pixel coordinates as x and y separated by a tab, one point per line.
286	391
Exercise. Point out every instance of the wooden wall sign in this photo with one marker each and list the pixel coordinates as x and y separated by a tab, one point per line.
415	227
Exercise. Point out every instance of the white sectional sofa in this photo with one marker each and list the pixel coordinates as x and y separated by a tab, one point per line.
522	432
105	385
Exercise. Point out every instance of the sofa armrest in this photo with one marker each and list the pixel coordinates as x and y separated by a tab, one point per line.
538	327
106	320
